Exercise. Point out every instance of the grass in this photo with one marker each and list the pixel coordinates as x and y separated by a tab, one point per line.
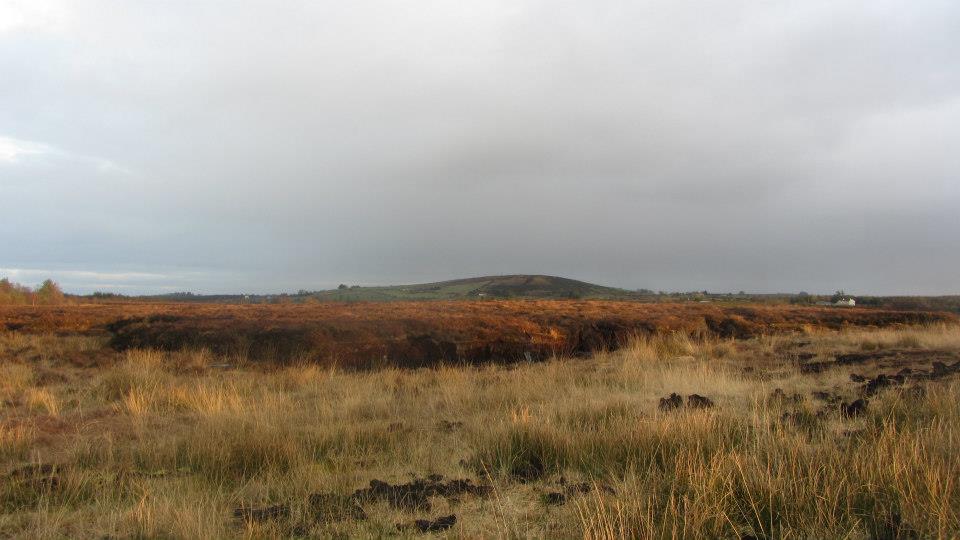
167	444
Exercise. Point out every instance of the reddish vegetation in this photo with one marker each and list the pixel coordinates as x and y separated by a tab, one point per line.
423	333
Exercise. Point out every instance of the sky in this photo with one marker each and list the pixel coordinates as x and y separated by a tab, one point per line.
228	147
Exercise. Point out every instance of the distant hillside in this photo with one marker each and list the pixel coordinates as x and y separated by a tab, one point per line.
515	286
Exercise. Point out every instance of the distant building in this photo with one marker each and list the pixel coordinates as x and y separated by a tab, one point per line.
845	302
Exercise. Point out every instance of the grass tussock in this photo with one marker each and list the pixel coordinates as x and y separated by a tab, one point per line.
168	444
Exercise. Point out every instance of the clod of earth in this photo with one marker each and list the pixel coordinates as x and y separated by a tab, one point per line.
40	476
528	469
448	426
916	391
880	382
696	401
779	396
33	470
940	370
814	367
416	495
674	401
570	490
854	409
436	525
554	498
329	507
825	396
854	358
259	515
802	418
586	487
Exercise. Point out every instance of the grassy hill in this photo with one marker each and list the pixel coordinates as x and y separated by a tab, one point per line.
514	286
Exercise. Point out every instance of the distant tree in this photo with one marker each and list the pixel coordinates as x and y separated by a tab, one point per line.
838	296
342	286
14	293
8	292
49	293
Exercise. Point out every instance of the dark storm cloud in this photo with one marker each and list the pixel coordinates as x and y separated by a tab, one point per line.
229	146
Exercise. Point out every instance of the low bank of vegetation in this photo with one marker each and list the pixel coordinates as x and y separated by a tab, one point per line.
48	293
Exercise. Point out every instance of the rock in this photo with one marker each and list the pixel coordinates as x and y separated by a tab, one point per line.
696	401
674	401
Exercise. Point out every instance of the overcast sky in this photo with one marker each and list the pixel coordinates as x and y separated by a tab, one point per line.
268	146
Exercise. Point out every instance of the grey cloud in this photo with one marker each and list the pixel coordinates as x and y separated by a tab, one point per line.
675	145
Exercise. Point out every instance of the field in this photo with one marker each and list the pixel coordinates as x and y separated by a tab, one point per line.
808	423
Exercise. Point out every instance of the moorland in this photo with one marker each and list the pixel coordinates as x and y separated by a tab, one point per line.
496	418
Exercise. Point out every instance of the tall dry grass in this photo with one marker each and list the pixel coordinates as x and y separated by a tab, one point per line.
168	444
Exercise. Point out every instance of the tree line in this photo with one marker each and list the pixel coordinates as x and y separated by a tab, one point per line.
48	293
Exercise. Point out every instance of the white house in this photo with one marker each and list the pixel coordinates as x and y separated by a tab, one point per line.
845	302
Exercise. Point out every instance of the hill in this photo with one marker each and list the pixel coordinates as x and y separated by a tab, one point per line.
512	286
